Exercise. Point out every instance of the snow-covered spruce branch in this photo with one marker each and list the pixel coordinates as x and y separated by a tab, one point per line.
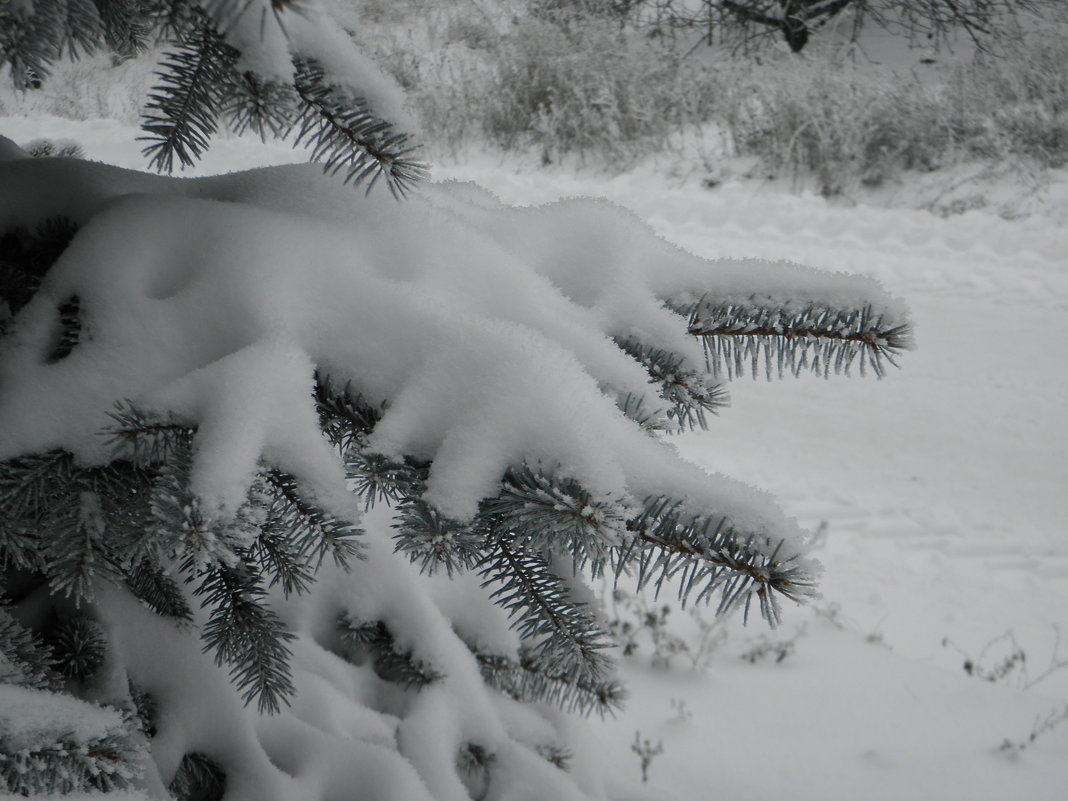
57	515
51	743
265	107
541	513
127	522
692	394
294	535
434	541
198	776
158	591
707	554
309	530
78	552
546	513
526	676
246	634
67	764
347	138
284	560
26	659
181	114
390	662
531	677
566	636
327	352
25	256
148	440
27	490
775	335
213	72
702	554
379	479
33	37
347	419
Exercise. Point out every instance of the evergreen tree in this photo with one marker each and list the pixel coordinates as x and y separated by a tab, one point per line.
301	488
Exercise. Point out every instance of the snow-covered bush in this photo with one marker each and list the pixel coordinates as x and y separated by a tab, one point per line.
300	488
588	89
580	85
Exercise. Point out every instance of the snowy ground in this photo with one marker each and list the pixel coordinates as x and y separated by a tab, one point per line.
942	491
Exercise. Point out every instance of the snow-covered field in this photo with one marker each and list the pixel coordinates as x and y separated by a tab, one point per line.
941	491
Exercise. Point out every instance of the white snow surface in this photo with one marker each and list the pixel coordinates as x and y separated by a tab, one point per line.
942	490
30	719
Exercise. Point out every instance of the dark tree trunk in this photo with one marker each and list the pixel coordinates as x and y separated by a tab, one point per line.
794	28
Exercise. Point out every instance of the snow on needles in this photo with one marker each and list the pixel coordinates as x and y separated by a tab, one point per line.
268	35
486	330
31	718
